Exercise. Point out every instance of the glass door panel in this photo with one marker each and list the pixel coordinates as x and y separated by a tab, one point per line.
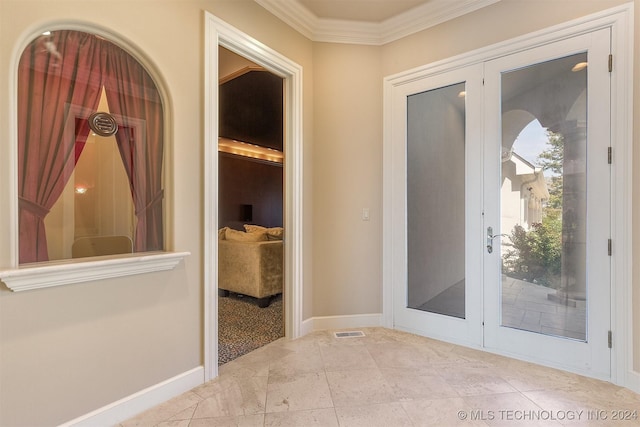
437	205
543	197
547	204
436	200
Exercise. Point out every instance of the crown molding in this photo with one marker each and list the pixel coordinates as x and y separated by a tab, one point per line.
355	32
428	15
294	14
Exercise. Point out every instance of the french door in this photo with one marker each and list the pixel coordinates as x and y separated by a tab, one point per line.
440	206
547	204
505	221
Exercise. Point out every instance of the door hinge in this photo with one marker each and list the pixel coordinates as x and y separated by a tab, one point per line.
610	62
609	155
610	339
609	246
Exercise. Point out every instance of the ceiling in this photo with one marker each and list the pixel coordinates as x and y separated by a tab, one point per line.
373	22
359	10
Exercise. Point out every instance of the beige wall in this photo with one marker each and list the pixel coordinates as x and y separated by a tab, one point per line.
501	21
636	186
69	350
229	63
347	176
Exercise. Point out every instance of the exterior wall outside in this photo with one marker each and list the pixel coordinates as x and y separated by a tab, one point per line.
516	207
68	350
511	205
521	195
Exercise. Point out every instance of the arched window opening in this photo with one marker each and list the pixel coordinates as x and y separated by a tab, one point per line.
88	184
544	178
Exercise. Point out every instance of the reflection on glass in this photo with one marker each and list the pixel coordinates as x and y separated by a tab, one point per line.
90	150
543	198
436	200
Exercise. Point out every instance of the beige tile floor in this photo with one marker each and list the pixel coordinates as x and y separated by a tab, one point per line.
391	378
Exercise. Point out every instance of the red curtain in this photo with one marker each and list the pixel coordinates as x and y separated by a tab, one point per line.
67	70
135	102
82	132
55	73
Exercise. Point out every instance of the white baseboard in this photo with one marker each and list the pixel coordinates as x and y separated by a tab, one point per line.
130	406
306	327
341	322
633	381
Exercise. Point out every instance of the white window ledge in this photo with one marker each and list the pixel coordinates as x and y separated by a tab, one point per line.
46	275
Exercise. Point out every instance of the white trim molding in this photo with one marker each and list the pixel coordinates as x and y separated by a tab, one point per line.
420	18
632	380
622	36
78	270
219	33
620	21
130	406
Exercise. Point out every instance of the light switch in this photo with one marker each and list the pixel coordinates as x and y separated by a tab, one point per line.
365	214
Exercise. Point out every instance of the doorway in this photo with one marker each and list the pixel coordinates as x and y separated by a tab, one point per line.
499	244
220	34
250	207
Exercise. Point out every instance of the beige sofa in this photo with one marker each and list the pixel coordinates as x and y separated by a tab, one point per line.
250	267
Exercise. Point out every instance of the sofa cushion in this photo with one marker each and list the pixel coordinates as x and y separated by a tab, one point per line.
241	236
222	233
273	233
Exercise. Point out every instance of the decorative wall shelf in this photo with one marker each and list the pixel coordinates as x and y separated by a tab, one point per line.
46	275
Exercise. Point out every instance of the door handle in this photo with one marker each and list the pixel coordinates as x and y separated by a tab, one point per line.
490	237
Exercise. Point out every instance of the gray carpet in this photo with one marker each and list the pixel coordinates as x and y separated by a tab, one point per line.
244	327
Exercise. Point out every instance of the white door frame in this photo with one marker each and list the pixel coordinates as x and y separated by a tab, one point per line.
219	33
620	20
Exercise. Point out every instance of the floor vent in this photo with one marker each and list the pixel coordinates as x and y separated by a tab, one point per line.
350	334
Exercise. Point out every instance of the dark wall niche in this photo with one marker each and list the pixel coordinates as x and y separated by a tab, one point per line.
249	192
251	109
